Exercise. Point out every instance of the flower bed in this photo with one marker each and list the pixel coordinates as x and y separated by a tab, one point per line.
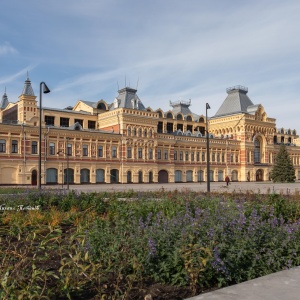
168	244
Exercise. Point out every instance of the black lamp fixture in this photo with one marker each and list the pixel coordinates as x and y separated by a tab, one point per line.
45	90
207	151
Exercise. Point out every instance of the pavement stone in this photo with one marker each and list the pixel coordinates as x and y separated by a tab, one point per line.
237	187
283	285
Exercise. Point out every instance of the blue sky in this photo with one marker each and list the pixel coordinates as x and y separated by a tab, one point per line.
193	49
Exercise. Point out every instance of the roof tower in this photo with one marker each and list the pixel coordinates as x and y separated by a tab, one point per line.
236	102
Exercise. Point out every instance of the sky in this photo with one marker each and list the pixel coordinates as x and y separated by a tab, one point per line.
167	49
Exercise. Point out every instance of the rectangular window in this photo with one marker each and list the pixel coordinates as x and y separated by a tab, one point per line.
192	156
186	155
140	153
69	149
52	149
166	154
218	157
198	156
91	124
80	121
160	127
64	122
158	154
175	155
223	157
114	151
180	127
231	157
33	147
49	120
181	155
213	157
85	150
100	151
236	158
203	156
129	152
150	154
169	127
14	146
190	128
2	146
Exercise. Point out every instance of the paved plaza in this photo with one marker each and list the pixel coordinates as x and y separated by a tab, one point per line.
236	187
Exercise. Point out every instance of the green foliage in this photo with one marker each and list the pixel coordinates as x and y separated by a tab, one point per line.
283	169
116	246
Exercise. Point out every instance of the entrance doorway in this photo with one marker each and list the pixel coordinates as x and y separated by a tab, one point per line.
162	176
34	177
259	175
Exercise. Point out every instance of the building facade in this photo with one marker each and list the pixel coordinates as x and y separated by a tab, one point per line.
125	142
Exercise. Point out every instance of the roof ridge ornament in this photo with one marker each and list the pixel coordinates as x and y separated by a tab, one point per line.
237	88
181	102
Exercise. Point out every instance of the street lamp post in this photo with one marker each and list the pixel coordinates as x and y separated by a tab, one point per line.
67	153
62	176
46	90
207	151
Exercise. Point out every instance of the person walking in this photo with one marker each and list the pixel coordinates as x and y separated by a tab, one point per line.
227	180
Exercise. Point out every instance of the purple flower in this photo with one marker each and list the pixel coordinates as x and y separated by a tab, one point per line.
151	247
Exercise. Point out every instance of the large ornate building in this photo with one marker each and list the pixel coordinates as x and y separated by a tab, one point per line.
123	141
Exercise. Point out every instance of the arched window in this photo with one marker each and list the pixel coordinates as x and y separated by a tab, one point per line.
179	117
169	115
101	106
256	151
201	120
160	114
189	118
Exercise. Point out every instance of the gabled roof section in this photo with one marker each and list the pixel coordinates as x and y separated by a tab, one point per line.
27	90
236	102
127	98
89	103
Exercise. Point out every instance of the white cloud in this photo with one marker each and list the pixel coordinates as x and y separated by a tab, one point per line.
6	48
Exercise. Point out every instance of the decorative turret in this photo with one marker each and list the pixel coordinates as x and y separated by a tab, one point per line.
4	101
236	102
27	90
127	98
27	104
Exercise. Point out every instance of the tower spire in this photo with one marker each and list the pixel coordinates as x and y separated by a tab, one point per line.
27	90
4	101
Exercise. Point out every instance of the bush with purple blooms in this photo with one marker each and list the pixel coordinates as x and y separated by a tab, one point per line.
171	245
203	242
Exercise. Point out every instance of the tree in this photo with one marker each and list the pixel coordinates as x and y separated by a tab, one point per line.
283	169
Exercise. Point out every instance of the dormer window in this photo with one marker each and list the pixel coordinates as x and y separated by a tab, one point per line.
135	104
116	103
